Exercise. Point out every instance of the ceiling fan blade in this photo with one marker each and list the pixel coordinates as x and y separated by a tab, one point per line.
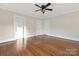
37	5
49	9
48	4
38	10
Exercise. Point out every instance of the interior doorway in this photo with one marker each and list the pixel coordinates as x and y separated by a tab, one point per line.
20	31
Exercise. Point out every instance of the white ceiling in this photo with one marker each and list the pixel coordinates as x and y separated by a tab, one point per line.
29	8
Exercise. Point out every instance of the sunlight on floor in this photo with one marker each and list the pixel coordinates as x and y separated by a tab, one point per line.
21	36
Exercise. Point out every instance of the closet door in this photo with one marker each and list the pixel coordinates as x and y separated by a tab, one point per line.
40	27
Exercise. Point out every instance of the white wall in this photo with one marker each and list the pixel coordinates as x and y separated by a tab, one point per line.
66	26
7	25
31	26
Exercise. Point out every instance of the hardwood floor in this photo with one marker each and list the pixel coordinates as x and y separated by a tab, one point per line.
42	45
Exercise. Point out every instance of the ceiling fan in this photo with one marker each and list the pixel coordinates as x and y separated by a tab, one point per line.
43	8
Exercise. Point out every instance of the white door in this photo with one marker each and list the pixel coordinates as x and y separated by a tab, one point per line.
40	27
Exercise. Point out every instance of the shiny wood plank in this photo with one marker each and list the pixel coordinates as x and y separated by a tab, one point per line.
42	45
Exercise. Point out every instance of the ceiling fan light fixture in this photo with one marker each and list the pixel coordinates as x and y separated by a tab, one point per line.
43	8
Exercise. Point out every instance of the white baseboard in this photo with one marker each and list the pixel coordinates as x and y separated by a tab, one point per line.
6	39
69	38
